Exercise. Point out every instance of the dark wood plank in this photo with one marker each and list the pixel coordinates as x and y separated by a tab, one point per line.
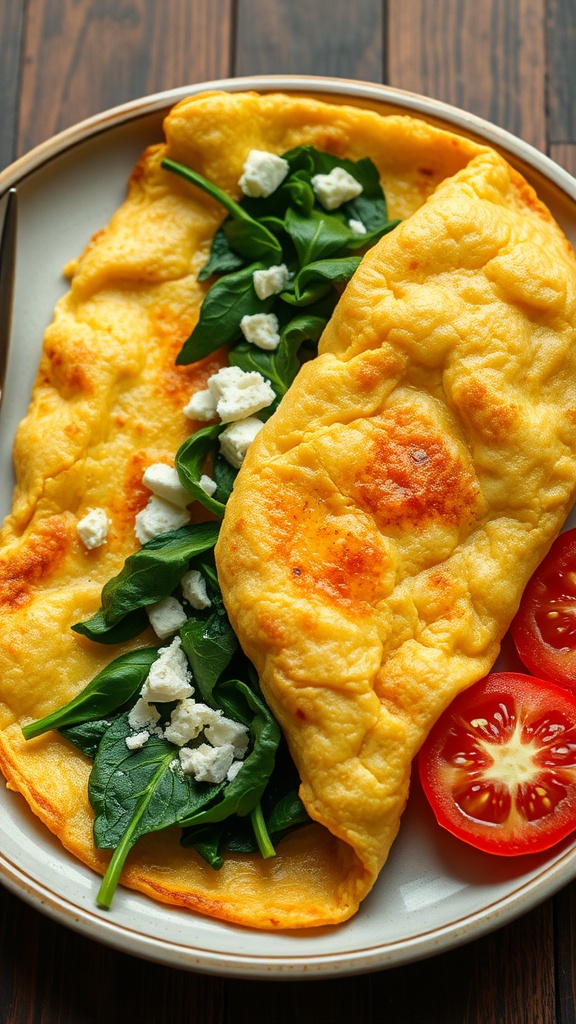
487	57
11	33
565	947
561	26
84	58
49	975
322	37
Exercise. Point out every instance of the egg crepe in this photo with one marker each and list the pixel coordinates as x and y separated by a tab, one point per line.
385	521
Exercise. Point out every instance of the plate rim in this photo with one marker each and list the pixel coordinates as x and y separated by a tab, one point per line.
434	940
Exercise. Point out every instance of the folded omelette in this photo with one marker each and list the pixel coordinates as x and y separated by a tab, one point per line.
383	525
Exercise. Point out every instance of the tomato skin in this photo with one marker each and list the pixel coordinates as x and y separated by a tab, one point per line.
544	629
499	766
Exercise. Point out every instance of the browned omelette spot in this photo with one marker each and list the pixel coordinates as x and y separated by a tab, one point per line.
410	475
43	554
332	556
493	421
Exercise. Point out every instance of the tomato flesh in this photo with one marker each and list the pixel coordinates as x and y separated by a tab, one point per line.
499	766
544	629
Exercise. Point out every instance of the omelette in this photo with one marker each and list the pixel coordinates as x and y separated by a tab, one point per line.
385	520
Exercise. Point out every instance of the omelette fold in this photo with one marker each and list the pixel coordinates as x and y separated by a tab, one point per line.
386	518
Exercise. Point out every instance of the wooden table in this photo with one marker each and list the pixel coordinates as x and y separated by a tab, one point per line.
510	61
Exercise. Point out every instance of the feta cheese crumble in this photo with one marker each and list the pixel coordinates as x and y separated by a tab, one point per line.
159	516
356	227
236	439
270	281
169	677
335	188
222	731
143	716
262	330
137	741
194	589
262	173
232	394
163	481
187	721
93	528
206	763
201	407
208	485
166	616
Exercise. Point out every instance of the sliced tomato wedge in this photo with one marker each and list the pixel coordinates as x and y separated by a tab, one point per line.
544	629
499	766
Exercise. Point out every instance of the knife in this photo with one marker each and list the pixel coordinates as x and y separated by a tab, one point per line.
7	274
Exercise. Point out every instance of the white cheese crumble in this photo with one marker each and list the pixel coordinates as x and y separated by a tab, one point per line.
233	394
233	770
194	589
169	677
356	227
166	616
143	716
93	528
335	188
223	731
262	330
137	741
187	721
163	481
206	763
201	407
208	485
262	173
159	516
236	439
270	281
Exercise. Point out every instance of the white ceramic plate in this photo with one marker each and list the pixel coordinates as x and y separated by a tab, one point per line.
434	892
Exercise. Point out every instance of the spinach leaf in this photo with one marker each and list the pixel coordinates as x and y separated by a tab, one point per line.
286	814
316	279
241	703
112	687
224	474
281	365
97	628
86	736
190	460
134	792
228	300
149	574
222	259
209	642
317	236
246	235
236	835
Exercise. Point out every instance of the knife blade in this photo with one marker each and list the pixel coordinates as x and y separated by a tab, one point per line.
7	274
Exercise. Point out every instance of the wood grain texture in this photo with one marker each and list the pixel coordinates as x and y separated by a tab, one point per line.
49	975
81	58
485	56
63	60
561	25
11	32
565	950
310	37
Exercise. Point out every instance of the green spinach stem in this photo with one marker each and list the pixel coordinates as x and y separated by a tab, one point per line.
261	832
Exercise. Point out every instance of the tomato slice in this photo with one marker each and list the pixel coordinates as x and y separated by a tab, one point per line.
544	629
499	766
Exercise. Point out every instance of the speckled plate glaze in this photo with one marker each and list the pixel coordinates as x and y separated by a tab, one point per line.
434	892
